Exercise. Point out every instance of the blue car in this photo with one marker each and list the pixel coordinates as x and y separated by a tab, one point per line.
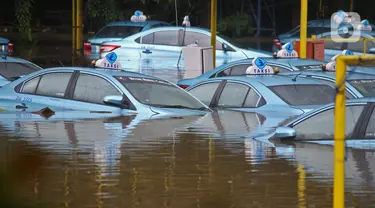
116	31
95	89
6	47
161	48
264	93
12	68
317	126
239	67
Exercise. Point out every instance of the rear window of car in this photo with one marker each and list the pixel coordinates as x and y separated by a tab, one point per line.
297	95
118	31
364	86
12	70
159	93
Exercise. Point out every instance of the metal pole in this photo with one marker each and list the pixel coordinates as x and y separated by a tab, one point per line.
351	5
339	148
175	8
259	17
303	29
73	26
79	26
213	30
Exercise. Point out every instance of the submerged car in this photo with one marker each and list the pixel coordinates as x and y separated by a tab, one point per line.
116	31
267	92
161	48
239	67
103	90
6	47
12	68
317	126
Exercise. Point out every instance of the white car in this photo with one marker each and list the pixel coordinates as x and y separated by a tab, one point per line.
161	48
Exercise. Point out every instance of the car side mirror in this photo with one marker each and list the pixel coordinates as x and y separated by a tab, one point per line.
116	100
225	47
285	133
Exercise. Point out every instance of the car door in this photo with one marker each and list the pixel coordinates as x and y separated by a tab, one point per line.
88	91
367	135
160	49
319	127
205	92
238	96
49	90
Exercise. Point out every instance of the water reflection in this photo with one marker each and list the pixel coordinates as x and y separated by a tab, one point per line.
188	161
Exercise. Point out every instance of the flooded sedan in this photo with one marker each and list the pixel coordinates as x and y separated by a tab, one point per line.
99	90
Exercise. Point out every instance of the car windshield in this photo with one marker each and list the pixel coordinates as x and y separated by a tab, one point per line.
160	93
365	86
13	70
118	31
304	94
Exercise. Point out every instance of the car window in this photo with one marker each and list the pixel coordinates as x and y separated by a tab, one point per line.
321	126
370	129
30	86
223	73
148	39
166	38
118	31
201	39
11	70
159	93
205	92
348	94
308	94
281	68
253	100
53	84
233	95
239	69
364	86
93	89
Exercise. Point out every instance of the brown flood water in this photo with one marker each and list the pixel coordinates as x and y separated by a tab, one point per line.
128	162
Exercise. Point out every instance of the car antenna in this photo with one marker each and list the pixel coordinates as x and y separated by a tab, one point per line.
295	78
60	63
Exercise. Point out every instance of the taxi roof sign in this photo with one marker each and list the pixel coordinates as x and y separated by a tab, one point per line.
259	66
109	62
287	51
186	21
331	66
365	25
138	17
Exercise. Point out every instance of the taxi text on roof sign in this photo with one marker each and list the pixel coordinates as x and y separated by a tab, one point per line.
138	17
259	66
287	51
331	66
109	62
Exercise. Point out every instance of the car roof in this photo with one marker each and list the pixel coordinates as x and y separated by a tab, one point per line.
108	72
14	60
271	80
4	40
349	75
130	23
283	61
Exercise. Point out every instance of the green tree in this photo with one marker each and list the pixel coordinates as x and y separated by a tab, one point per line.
24	16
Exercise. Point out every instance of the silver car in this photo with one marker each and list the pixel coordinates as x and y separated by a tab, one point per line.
161	48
